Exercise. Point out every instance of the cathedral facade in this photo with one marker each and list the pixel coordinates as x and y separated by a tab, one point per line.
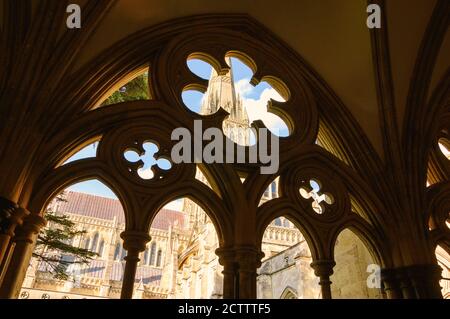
363	174
180	261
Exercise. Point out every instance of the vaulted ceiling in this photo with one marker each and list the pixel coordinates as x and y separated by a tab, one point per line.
331	35
388	86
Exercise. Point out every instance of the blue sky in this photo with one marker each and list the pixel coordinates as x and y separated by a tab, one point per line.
93	187
254	99
240	73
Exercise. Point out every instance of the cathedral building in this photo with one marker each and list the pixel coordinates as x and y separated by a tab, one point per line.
180	261
357	207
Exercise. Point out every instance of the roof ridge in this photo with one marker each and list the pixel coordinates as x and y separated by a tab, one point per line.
99	207
93	195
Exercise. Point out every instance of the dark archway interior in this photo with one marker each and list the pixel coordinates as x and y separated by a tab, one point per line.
356	152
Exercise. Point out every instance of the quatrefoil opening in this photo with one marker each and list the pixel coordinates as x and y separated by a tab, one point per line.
444	146
145	162
236	91
319	198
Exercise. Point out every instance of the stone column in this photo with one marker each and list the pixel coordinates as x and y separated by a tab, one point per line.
10	216
24	244
226	259
248	259
412	282
6	259
405	286
134	242
324	269
421	281
391	283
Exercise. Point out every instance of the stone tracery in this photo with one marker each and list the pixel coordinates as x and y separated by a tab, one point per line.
232	206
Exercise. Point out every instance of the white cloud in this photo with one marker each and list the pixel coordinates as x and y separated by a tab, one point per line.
257	110
444	150
146	173
176	205
243	87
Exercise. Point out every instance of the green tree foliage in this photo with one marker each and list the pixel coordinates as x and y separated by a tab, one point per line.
136	89
54	242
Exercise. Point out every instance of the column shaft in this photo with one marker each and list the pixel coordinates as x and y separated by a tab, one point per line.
23	250
134	242
129	274
10	216
226	259
424	280
391	284
248	259
324	269
413	282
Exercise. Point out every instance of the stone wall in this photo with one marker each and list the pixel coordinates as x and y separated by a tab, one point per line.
288	275
350	273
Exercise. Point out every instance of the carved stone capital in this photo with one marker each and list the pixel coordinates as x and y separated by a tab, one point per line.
390	281
135	240
415	281
248	258
7	207
424	280
19	215
11	215
323	268
419	272
31	226
226	256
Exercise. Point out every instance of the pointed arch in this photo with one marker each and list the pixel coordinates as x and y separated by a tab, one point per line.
73	173
152	253
277	221
117	251
145	259
159	258
443	260
123	253
101	247
94	244
355	266
207	200
288	293
87	243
